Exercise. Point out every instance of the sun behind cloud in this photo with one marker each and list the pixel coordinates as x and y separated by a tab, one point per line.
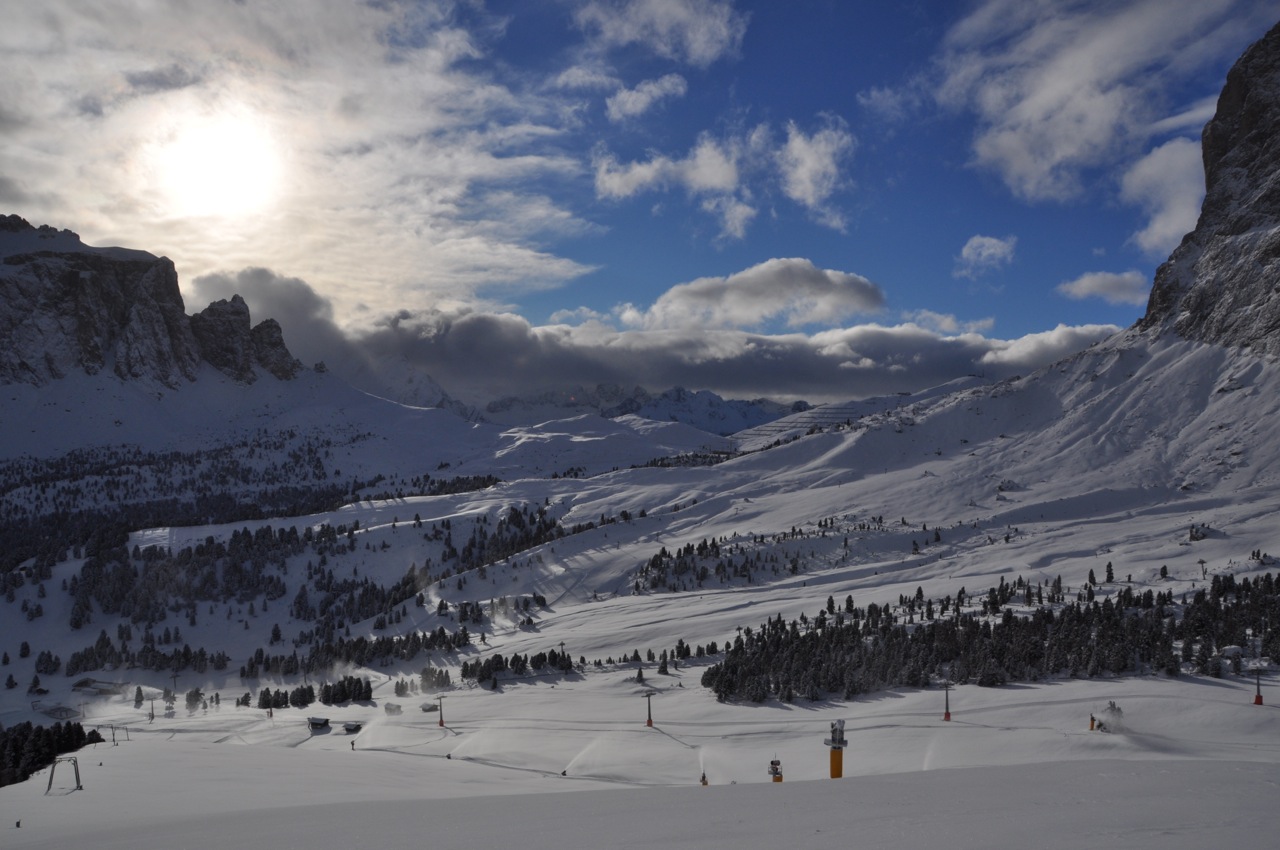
225	164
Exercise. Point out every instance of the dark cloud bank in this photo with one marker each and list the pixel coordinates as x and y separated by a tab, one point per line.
480	356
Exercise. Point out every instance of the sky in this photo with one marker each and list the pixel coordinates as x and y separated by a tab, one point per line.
818	199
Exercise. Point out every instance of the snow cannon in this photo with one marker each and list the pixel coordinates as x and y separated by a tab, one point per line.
837	743
775	770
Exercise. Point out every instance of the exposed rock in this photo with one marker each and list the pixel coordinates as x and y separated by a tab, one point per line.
68	307
14	224
222	331
270	352
61	312
1222	284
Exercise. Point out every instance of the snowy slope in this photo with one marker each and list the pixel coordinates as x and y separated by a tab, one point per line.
1111	456
1191	766
702	409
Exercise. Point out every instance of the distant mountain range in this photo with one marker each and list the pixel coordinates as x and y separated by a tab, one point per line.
702	409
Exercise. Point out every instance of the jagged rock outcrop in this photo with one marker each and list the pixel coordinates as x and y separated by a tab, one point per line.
230	345
1222	284
67	307
222	330
270	352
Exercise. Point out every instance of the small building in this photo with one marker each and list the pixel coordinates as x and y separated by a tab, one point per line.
98	688
392	708
351	727
318	723
60	712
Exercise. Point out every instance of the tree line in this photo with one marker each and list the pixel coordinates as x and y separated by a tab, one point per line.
25	748
860	650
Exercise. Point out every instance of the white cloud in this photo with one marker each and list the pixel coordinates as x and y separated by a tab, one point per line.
710	167
946	323
630	103
1168	183
1193	117
585	77
726	174
891	105
984	254
1131	287
617	180
695	31
793	290
1059	89
810	168
734	214
709	172
1039	349
579	315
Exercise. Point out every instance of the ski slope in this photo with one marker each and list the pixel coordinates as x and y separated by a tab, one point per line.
1190	763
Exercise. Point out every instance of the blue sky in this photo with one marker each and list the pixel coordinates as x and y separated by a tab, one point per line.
807	199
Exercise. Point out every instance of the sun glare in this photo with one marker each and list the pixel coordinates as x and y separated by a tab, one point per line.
223	166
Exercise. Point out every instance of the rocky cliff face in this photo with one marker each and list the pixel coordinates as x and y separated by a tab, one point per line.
230	345
1222	284
67	307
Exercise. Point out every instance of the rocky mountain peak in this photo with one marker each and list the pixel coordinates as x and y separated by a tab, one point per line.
14	224
67	307
230	345
1220	285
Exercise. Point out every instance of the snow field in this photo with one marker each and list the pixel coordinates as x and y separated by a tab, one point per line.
1191	760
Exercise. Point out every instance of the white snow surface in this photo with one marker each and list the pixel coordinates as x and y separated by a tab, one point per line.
1194	765
1109	456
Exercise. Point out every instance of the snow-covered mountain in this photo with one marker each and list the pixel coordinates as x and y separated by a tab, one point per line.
67	308
418	544
396	378
1219	285
702	409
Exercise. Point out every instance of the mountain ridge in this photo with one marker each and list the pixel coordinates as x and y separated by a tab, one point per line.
701	409
1217	285
67	307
